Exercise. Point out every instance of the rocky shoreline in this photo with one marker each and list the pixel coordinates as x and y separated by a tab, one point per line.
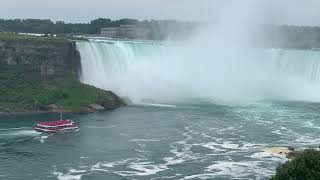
112	102
287	152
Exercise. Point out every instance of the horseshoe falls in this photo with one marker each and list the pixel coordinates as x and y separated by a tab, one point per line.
171	73
200	111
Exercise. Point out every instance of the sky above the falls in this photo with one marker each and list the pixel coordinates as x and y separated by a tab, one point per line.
298	12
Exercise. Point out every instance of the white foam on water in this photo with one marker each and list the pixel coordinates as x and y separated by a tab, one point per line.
173	160
145	169
43	138
310	124
308	140
77	171
183	154
10	129
144	140
248	145
229	145
62	176
205	135
16	132
156	105
200	176
277	132
100	166
137	167
239	169
212	146
221	147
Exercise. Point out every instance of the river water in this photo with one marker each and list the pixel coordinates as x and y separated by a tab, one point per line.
200	141
189	136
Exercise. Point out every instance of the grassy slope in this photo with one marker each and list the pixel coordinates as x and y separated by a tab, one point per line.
39	39
21	38
21	88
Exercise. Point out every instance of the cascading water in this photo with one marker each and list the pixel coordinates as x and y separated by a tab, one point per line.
103	61
301	63
174	74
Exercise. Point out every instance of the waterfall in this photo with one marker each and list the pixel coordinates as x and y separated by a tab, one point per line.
301	63
107	64
165	73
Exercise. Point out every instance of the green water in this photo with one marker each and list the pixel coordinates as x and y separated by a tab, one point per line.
154	142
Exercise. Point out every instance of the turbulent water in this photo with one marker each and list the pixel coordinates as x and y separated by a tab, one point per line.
180	126
153	142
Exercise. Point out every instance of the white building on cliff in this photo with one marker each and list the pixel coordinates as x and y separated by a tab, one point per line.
125	32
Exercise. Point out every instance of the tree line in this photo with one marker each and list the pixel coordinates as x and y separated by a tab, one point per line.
284	36
157	29
287	36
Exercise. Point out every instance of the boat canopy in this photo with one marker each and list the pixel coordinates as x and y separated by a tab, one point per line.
55	123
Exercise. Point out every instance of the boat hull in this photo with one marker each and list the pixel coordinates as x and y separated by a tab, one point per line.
55	130
56	126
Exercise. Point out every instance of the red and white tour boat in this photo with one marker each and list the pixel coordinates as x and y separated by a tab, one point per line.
56	126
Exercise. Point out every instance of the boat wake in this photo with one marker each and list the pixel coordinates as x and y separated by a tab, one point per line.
16	135
157	105
17	132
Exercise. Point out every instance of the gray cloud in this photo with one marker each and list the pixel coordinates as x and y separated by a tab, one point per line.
301	12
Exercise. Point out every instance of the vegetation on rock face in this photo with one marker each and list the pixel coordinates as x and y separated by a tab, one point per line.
304	166
21	38
21	90
39	74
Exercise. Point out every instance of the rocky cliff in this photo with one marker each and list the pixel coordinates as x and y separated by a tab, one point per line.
52	57
41	75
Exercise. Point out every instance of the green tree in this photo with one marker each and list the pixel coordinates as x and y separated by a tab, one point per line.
305	166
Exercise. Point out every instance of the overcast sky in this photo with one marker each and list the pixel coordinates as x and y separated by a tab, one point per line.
299	12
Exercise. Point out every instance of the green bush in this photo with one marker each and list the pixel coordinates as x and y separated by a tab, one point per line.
305	166
21	88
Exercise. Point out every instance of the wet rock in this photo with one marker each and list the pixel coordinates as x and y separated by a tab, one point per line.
291	148
288	152
277	151
112	102
96	107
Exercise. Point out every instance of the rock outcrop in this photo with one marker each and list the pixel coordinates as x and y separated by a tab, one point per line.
39	75
53	58
112	102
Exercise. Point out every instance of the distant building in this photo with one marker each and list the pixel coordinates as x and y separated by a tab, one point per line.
125	32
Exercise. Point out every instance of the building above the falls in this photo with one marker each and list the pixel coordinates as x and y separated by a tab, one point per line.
125	32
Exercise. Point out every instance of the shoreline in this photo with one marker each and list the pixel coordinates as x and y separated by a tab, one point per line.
89	109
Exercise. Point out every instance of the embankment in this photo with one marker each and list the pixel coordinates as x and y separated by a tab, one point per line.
41	75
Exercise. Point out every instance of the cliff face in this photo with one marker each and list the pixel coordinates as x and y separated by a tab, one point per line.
40	75
53	59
